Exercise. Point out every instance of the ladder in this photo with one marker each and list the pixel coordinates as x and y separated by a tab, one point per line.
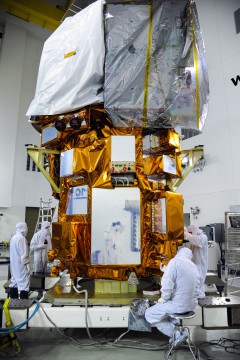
44	214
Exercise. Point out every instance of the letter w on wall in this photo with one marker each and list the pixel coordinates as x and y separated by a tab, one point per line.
235	81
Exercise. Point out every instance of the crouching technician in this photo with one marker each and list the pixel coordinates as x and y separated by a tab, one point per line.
179	293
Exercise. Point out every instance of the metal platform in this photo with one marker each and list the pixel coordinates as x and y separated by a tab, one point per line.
225	301
20	303
63	293
221	312
37	282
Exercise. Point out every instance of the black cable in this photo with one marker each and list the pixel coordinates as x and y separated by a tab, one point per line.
99	339
234	344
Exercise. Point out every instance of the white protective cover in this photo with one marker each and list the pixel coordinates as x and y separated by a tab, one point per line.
68	82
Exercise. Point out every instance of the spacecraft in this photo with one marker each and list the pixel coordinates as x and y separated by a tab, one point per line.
118	86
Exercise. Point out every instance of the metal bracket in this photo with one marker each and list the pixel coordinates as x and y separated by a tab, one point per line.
36	154
194	155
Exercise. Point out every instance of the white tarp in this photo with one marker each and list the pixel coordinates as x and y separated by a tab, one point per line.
71	70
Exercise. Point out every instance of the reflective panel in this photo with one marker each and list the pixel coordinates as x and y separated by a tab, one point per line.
66	163
123	148
115	226
77	200
169	165
48	134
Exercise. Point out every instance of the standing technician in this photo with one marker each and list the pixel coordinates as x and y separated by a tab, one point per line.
199	246
19	263
40	244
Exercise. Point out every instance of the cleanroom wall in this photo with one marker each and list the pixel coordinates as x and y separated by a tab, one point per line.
217	186
19	61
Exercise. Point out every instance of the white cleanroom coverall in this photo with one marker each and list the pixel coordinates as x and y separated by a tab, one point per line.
19	258
40	244
199	246
179	292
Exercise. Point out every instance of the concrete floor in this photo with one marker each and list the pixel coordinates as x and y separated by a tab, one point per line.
49	344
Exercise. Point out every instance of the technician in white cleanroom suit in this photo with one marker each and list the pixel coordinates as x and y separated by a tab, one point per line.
19	263
199	246
179	292
40	244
